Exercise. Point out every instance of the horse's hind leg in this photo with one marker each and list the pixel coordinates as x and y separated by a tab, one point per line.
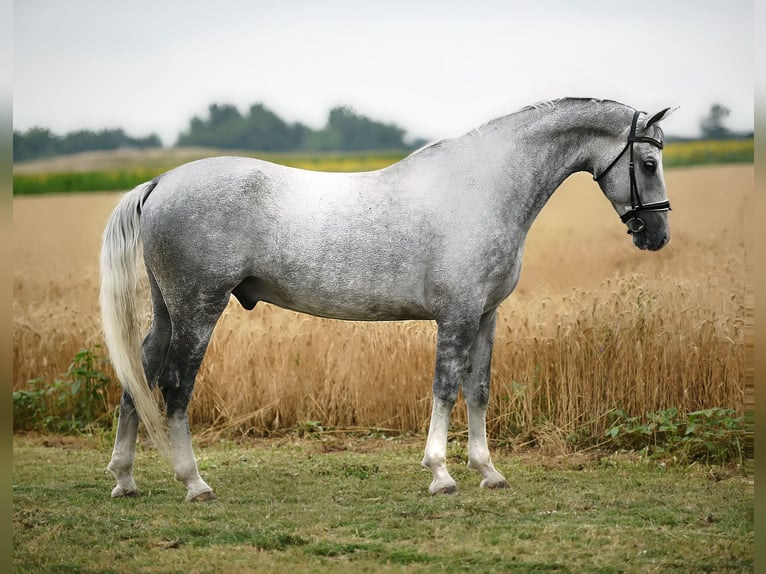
193	319
124	452
154	351
476	393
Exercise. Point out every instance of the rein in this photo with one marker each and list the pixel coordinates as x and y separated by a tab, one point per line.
635	224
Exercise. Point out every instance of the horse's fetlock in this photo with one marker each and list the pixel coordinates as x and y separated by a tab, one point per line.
120	466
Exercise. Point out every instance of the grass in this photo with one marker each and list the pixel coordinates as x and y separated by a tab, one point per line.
361	505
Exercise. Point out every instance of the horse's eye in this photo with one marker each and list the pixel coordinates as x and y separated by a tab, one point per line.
650	165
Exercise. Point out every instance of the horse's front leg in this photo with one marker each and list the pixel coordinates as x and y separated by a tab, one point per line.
452	349
476	393
124	452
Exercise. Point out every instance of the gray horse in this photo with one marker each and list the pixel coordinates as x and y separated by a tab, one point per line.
437	236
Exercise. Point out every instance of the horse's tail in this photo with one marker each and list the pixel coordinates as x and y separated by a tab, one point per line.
119	316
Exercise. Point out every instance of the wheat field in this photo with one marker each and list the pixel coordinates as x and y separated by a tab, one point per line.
594	324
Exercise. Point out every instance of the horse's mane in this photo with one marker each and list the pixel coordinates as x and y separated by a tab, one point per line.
549	104
542	106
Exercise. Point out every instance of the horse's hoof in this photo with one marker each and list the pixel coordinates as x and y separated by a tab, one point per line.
495	484
204	496
448	488
120	492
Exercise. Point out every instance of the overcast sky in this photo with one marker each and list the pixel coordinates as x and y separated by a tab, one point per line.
436	68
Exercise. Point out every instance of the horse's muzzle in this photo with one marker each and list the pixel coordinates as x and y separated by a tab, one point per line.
650	231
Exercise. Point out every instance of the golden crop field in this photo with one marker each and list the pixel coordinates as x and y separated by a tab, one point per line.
594	325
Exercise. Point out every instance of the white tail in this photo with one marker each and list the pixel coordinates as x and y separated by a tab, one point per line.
122	331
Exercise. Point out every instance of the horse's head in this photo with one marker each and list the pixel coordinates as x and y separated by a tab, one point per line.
632	180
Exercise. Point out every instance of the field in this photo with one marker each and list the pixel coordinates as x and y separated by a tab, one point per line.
349	505
594	326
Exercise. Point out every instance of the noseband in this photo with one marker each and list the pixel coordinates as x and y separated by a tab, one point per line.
634	223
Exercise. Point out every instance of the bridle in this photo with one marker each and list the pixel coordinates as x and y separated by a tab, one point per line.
635	224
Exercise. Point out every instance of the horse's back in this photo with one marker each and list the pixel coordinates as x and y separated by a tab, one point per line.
337	245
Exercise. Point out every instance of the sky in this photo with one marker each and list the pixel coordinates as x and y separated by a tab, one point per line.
435	68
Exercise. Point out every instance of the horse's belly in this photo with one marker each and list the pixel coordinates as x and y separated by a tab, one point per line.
340	302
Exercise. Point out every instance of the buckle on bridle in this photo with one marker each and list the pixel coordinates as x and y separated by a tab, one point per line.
635	225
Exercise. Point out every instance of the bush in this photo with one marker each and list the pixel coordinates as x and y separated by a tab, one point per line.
713	436
72	405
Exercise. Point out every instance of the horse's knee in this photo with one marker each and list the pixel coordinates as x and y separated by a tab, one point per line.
446	391
453	361
476	395
448	378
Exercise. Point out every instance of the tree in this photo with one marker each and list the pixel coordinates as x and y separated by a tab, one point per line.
225	128
263	130
35	142
712	125
347	130
41	142
266	131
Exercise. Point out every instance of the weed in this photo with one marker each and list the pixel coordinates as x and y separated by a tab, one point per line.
71	405
309	429
714	436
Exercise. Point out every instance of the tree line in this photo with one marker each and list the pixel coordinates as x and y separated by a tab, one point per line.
260	129
224	127
41	142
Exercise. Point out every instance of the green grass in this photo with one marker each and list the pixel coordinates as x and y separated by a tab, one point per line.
40	183
354	505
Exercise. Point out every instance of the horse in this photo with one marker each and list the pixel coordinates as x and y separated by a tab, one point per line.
436	236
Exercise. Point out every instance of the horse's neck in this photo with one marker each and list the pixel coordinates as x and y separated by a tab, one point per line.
540	149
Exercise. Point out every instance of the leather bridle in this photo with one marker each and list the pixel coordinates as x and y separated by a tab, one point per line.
635	224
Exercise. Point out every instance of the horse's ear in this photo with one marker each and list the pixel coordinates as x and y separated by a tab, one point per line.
659	116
